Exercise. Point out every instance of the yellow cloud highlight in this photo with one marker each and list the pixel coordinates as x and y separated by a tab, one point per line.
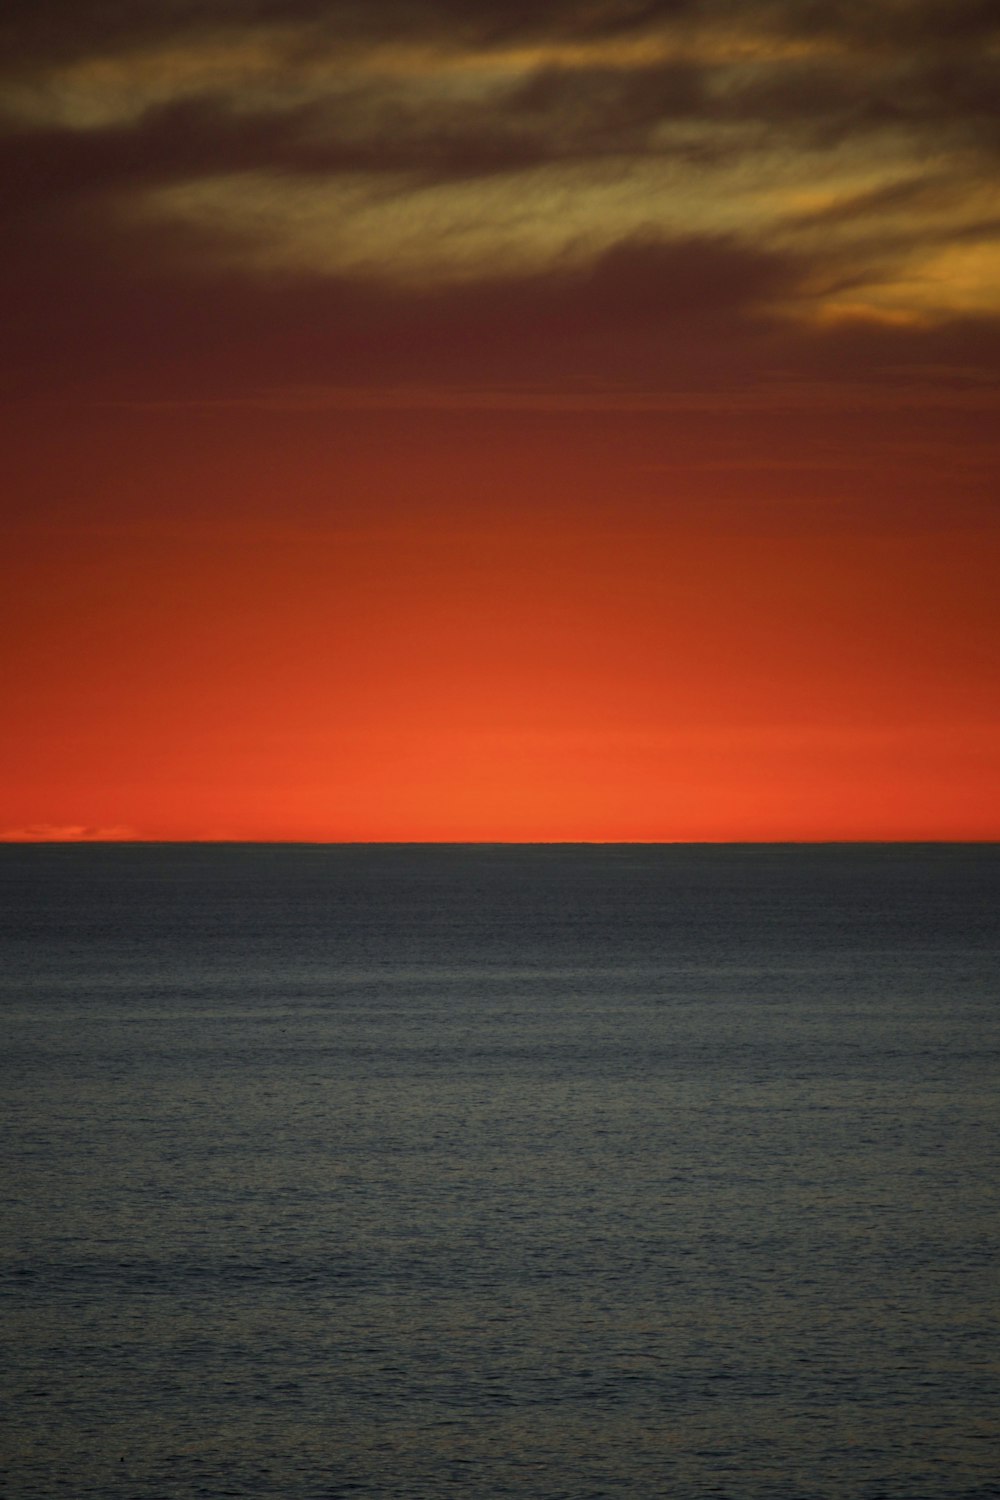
697	175
395	229
686	42
284	64
103	91
923	289
963	278
836	313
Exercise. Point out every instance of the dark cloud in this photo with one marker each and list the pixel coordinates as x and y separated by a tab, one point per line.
205	135
178	141
688	315
931	191
554	116
825	102
84	292
33	31
646	311
698	277
907	25
599	108
929	83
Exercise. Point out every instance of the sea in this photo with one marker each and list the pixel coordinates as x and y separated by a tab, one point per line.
558	1172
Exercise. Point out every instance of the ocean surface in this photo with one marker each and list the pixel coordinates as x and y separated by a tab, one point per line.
552	1171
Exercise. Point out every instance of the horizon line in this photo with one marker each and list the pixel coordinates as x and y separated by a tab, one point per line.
483	843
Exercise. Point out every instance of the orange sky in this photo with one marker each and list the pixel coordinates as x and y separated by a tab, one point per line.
578	427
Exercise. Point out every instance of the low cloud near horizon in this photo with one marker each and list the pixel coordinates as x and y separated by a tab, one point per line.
70	833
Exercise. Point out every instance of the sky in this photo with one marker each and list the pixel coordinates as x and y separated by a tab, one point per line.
509	421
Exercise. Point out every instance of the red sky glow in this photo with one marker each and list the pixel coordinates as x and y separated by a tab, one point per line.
498	422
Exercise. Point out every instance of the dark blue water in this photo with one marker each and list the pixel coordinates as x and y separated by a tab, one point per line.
485	1171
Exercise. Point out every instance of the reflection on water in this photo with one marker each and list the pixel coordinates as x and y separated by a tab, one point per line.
547	1172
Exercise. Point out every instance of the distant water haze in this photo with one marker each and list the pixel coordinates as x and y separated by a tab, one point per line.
565	1171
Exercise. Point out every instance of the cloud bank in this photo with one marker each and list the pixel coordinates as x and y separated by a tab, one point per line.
237	195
